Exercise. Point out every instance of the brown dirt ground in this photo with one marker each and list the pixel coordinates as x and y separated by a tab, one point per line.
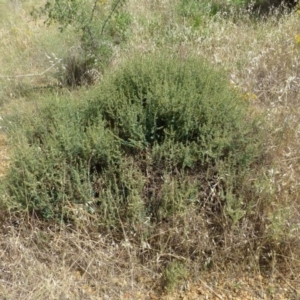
241	285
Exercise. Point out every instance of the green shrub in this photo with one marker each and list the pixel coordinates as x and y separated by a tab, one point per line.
87	17
53	157
263	7
98	24
141	146
193	10
185	114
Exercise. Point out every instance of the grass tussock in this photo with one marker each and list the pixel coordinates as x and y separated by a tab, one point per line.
181	161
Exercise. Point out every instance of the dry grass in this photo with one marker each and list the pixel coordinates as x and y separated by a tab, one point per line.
56	263
65	264
262	59
25	50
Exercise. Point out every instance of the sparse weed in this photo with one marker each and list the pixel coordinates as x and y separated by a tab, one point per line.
174	275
